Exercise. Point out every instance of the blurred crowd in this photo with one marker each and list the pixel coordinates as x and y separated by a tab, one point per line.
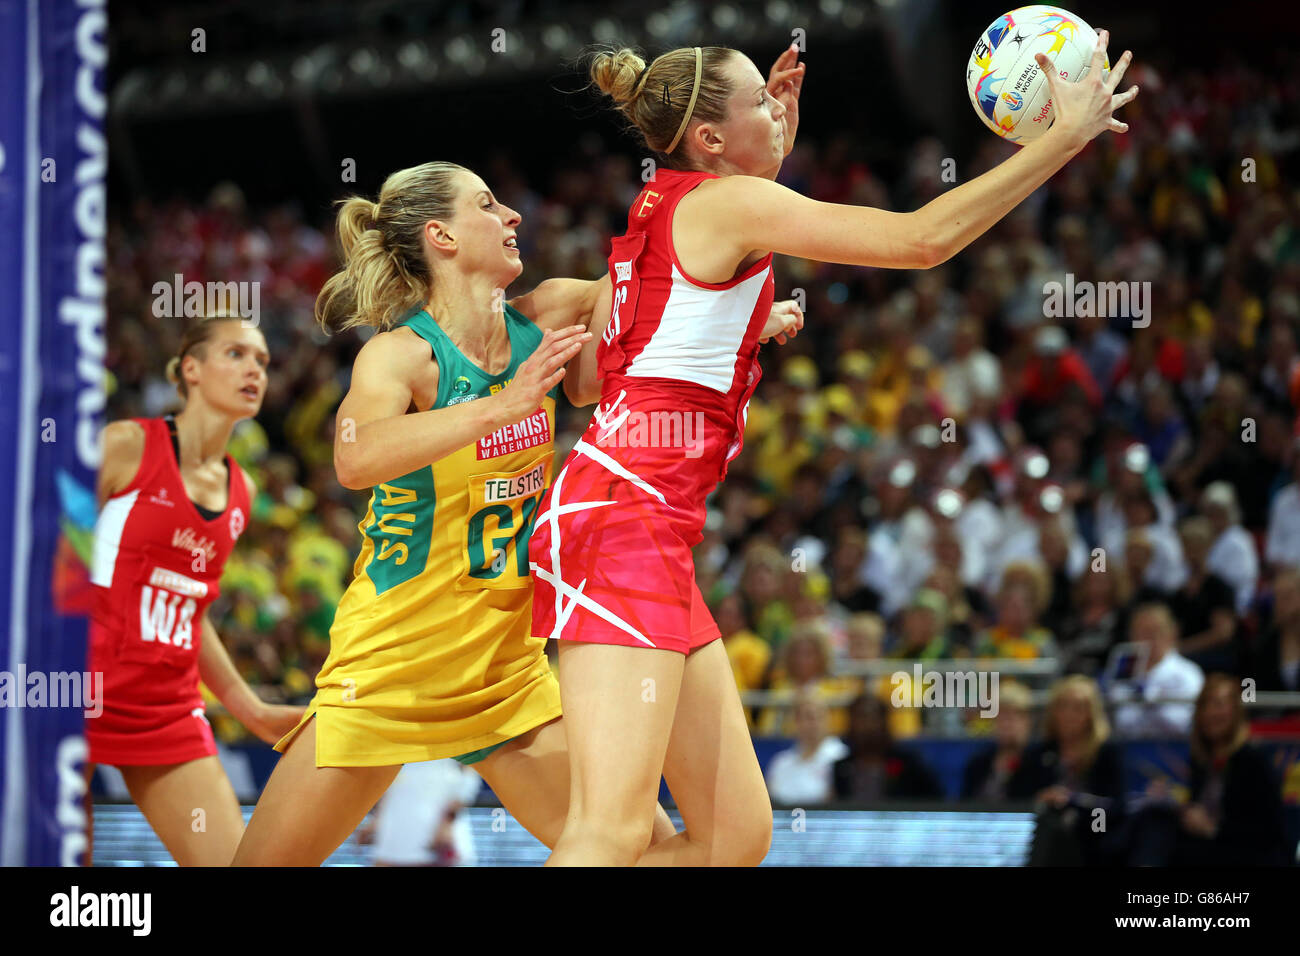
944	464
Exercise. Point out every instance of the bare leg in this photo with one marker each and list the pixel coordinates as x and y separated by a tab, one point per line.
306	812
713	773
192	808
619	704
530	776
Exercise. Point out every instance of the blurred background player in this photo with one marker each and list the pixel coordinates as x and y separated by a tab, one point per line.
173	503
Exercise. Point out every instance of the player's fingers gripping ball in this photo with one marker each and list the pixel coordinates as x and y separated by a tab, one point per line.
1007	88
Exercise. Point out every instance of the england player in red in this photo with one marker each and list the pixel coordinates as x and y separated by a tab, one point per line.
645	682
172	505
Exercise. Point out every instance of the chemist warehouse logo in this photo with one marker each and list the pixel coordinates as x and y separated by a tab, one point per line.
532	431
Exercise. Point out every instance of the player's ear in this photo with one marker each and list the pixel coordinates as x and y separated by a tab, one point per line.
439	235
708	139
189	370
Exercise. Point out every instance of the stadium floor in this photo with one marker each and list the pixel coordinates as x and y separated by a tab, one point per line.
818	838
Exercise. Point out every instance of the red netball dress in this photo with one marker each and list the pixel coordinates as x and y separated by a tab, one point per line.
610	551
157	566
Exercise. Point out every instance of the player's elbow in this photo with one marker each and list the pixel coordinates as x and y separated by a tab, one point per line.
580	395
931	249
347	468
935	253
929	245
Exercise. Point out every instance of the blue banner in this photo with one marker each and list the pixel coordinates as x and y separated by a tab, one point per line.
53	165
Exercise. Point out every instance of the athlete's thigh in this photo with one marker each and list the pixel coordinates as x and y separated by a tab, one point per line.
710	766
306	812
618	713
192	808
530	776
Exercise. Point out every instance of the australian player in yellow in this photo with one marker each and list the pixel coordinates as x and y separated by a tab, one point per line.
443	570
449	421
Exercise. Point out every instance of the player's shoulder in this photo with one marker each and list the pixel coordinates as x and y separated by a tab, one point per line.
123	438
398	351
729	196
122	453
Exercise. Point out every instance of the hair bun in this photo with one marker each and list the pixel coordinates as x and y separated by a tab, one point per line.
616	73
173	371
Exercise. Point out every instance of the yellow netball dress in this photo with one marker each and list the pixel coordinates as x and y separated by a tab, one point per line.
431	653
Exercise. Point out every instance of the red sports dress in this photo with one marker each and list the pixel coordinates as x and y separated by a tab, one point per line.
157	565
610	550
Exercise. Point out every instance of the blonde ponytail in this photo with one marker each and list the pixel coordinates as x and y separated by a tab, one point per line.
385	275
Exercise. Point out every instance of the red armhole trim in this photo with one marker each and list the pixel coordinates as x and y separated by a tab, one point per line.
749	273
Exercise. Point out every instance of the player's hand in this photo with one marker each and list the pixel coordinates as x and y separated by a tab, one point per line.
783	322
784	81
1086	107
542	371
270	722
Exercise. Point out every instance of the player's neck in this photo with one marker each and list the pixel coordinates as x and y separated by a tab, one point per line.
202	434
469	309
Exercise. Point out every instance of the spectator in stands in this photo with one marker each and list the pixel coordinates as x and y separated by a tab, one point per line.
847	587
1074	772
1232	556
989	772
1165	683
1016	632
1167	569
1204	606
1276	655
1283	543
923	629
749	654
1234	813
801	776
1125	471
1054	372
866	637
971	371
805	668
876	768
1091	625
1101	349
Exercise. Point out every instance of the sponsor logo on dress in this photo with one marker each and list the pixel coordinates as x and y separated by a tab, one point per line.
178	583
462	388
162	499
623	271
187	539
236	523
529	433
515	486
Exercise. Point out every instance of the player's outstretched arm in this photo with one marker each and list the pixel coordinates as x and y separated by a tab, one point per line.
746	213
